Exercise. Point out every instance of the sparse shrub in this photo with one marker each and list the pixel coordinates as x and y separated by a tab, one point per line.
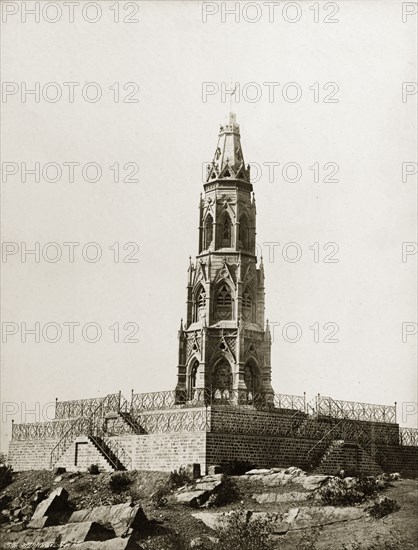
238	533
337	493
383	507
119	481
309	539
159	497
238	467
179	478
93	469
6	475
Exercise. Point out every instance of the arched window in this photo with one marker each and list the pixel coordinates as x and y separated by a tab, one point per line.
244	233
250	378
208	231
222	376
225	232
200	304
246	300
193	378
224	303
247	306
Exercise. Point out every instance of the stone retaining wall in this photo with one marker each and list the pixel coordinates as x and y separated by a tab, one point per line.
32	454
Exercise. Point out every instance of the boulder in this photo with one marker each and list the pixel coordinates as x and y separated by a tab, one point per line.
111	544
199	494
122	517
193	498
214	469
265	498
261	471
213	520
56	502
311	483
311	516
201	542
59	535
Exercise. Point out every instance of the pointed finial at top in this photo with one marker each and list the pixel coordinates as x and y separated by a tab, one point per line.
232	118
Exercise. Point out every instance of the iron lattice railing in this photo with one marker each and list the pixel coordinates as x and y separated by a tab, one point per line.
155	400
347	428
327	406
218	396
178	421
40	430
408	437
115	453
90	425
87	407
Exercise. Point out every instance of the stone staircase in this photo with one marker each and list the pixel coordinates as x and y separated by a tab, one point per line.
112	452
348	456
107	413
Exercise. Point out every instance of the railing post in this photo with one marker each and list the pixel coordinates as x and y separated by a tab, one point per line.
396	416
119	396
132	400
304	402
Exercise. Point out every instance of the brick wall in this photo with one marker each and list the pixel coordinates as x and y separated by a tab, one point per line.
264	451
165	451
32	454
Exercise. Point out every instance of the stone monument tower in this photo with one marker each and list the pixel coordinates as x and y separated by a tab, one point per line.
224	344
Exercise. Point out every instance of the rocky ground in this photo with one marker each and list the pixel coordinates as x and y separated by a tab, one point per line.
158	511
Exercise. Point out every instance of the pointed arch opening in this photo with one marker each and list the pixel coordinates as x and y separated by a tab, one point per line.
208	231
199	304
193	378
251	378
248	306
224	303
244	233
225	231
222	378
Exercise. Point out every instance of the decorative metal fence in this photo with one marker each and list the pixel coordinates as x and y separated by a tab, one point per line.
178	421
86	407
88	424
155	400
326	406
408	437
219	396
40	430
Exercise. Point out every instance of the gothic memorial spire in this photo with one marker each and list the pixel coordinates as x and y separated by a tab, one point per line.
224	351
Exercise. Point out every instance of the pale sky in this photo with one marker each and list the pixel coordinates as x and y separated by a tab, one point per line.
169	133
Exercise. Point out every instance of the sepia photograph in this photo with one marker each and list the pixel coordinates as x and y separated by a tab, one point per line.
209	275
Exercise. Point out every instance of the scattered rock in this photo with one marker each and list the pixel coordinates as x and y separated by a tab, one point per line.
213	520
314	516
201	542
265	498
71	533
196	495
214	469
56	502
111	544
311	483
122	517
193	498
261	471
